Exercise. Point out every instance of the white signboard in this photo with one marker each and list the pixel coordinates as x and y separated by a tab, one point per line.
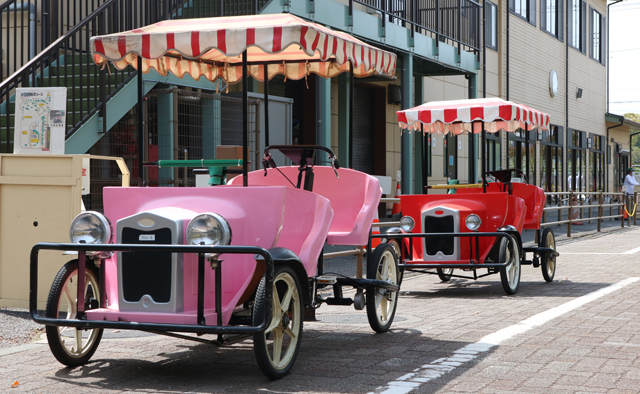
40	120
86	176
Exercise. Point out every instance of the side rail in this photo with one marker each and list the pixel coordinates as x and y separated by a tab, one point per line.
474	238
579	207
82	322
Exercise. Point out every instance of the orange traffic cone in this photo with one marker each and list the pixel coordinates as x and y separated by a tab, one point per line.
396	205
375	231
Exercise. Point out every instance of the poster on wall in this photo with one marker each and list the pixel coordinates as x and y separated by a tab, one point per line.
40	120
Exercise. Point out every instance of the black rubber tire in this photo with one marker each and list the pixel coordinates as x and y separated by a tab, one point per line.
376	296
444	276
510	252
284	278
548	263
56	344
395	245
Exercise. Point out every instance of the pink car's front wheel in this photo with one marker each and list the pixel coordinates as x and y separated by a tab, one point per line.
277	347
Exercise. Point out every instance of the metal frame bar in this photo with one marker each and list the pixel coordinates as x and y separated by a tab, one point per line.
200	250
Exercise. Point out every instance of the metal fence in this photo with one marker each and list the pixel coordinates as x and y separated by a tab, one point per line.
180	124
456	22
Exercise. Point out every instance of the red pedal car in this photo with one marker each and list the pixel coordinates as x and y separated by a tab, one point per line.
479	227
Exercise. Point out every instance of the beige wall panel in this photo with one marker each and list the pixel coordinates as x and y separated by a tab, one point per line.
39	197
433	89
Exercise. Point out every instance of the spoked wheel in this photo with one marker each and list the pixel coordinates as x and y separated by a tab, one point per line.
277	347
71	346
395	245
445	274
510	275
381	303
548	266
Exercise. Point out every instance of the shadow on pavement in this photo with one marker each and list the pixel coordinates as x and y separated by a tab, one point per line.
329	361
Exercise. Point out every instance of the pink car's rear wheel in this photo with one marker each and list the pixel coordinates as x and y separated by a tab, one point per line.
381	303
71	346
277	347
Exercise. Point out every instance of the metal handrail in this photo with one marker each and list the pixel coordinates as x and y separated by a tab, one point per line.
443	19
579	206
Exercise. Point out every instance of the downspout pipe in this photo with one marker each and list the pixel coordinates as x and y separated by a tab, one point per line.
621	120
32	24
566	95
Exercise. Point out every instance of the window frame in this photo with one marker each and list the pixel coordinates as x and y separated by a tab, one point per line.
491	25
559	18
530	8
582	31
593	16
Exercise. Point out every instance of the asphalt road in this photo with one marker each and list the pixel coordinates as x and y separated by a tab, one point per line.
577	334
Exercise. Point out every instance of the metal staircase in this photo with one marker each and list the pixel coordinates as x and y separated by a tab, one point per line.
63	57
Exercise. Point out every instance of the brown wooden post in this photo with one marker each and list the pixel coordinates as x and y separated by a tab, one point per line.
622	205
600	210
570	213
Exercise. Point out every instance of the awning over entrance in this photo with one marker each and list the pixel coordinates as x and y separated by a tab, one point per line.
212	48
458	116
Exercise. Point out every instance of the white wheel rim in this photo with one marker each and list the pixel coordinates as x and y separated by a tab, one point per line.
447	271
385	300
285	323
75	342
551	262
513	269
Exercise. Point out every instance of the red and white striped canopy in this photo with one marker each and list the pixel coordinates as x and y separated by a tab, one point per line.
212	48
458	116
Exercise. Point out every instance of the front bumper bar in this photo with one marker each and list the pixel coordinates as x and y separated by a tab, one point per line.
201	327
473	263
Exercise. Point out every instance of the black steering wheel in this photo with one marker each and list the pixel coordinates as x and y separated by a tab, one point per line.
504	176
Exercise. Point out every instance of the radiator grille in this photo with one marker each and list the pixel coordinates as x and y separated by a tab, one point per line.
441	224
146	273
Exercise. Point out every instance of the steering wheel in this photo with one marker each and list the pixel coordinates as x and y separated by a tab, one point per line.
298	154
504	176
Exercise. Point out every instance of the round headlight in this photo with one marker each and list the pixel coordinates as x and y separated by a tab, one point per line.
407	223
91	228
208	229
473	222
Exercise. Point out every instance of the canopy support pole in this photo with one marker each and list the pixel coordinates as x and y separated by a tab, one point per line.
140	109
526	136
245	125
484	159
351	85
266	105
425	170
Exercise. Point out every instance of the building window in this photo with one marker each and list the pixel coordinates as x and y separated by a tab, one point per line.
522	153
525	9
596	164
551	17
493	151
577	160
491	21
577	24
551	168
597	36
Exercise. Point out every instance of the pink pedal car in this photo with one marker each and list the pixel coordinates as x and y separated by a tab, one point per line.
229	260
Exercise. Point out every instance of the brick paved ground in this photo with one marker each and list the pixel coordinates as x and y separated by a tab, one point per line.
593	349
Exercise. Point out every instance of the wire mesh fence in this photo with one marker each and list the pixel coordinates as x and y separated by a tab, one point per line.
179	124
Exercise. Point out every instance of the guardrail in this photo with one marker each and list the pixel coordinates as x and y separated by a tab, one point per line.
606	206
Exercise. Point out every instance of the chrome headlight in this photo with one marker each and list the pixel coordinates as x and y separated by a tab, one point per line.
90	228
407	223
208	229
473	222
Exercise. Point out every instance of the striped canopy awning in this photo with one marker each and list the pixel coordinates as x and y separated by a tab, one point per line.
458	116
212	48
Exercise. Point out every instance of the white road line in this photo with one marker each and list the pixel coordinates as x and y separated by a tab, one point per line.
442	366
632	251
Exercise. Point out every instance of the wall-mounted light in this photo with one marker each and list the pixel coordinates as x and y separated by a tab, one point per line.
540	135
394	95
579	93
589	142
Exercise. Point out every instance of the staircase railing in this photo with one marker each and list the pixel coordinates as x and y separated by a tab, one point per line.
27	27
67	62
